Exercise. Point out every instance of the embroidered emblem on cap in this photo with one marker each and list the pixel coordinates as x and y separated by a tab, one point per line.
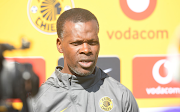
106	103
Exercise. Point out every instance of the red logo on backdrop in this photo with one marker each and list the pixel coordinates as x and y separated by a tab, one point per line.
37	63
138	9
153	78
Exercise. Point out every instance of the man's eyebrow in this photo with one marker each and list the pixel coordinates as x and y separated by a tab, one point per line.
77	39
93	40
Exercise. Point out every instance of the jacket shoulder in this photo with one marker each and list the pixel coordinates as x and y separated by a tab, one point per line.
115	84
36	101
125	95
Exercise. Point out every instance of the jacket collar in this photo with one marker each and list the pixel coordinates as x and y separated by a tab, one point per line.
75	82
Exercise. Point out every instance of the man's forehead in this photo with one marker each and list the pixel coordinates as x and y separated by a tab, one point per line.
80	31
69	25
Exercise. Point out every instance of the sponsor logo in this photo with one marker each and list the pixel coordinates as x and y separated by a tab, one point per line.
153	78
38	65
156	75
106	104
138	9
43	13
132	34
110	65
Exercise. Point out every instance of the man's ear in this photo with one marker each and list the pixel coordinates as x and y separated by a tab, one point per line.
59	45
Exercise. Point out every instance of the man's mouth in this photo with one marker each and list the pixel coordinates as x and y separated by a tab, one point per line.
86	63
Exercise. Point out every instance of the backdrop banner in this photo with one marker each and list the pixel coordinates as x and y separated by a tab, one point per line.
136	39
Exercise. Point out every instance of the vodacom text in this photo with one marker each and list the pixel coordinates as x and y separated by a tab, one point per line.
163	90
136	34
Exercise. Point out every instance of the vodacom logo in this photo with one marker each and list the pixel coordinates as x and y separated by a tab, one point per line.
156	75
138	9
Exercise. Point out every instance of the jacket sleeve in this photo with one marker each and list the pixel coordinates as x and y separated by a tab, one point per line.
30	104
129	102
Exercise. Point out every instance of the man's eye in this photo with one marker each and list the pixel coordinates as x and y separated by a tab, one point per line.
93	42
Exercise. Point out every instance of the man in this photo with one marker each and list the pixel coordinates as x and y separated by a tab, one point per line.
80	86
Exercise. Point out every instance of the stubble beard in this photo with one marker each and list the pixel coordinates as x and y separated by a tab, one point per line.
79	73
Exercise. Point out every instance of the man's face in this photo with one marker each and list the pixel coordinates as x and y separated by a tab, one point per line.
80	47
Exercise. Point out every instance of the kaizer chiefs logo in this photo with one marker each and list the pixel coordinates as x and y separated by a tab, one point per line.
44	13
106	104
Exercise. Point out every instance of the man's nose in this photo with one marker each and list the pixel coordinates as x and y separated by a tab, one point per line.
86	49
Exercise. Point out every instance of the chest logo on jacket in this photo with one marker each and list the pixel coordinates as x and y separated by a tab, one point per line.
106	103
